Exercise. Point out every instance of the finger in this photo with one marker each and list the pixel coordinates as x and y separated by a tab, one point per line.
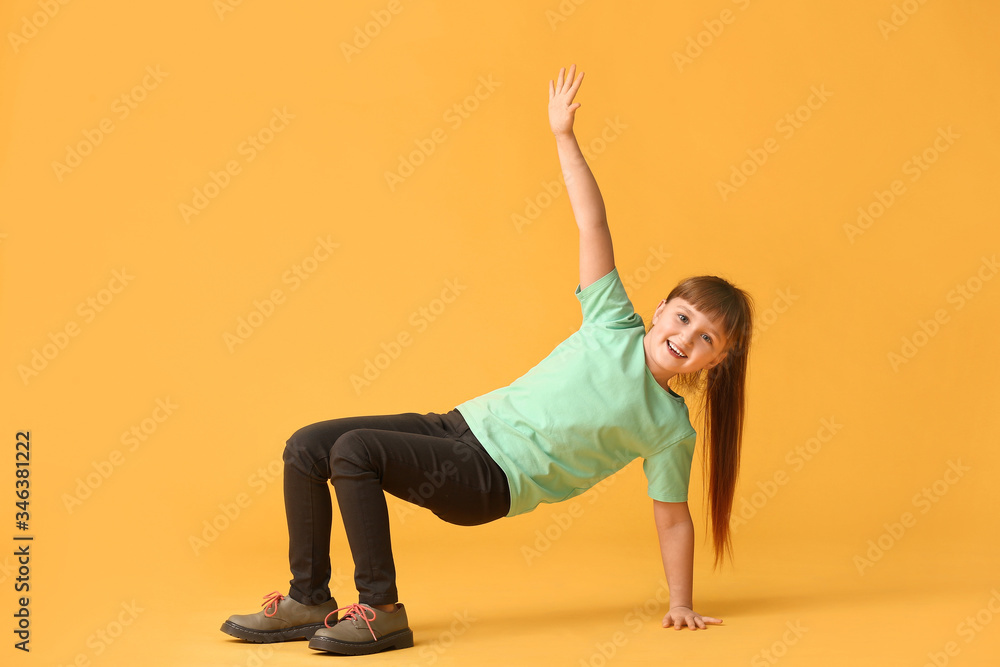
552	92
575	83
559	81
709	619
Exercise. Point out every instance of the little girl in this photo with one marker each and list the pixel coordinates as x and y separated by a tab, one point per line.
598	401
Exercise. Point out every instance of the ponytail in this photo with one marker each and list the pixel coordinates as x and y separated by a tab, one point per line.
722	390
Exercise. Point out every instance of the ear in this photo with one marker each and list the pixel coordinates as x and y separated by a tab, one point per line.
659	309
717	361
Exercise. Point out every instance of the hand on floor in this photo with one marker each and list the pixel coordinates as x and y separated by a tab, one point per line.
679	616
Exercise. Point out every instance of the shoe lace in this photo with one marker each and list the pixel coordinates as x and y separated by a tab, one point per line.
354	611
272	598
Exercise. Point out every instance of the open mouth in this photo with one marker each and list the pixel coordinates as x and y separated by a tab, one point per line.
676	352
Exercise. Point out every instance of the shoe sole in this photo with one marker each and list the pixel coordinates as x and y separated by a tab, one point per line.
397	640
271	636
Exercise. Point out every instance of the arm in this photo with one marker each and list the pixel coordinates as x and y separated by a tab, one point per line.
676	533
596	253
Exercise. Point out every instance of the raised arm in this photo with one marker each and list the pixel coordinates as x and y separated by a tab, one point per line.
596	254
676	533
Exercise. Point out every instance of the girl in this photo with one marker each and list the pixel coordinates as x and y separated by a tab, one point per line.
600	400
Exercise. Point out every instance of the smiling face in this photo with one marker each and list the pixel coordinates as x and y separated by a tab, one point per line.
682	340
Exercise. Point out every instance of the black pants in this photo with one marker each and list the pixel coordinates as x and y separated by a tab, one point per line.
432	460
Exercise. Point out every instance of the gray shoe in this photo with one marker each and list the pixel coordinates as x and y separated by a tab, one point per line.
281	619
364	630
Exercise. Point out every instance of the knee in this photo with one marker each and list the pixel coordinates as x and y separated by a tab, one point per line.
303	451
348	455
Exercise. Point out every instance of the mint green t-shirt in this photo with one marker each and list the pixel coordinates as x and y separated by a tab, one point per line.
586	410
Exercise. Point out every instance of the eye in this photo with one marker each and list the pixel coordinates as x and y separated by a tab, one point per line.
683	318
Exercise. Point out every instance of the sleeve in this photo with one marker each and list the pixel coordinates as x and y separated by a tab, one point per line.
668	471
605	301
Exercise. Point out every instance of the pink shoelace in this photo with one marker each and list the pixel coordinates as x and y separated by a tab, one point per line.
353	611
272	598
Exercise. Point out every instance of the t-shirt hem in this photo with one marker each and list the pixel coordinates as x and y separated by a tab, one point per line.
586	292
499	459
671	500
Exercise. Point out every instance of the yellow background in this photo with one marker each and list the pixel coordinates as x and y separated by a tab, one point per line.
661	133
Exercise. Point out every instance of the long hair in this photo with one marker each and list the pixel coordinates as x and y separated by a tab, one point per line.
722	393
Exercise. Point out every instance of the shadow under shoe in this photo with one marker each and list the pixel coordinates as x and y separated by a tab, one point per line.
363	630
282	619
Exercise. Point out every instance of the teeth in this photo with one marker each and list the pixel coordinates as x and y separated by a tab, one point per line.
674	348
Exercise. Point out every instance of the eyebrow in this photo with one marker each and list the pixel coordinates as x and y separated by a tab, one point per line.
709	329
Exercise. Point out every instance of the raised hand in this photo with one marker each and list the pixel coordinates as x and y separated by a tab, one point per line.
562	109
